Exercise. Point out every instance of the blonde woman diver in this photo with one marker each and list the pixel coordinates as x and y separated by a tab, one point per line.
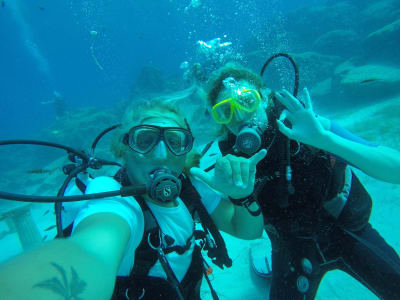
143	247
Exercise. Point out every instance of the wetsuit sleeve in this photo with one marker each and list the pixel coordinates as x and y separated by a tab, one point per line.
125	207
344	133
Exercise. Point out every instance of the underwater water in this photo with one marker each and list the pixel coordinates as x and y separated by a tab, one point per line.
69	69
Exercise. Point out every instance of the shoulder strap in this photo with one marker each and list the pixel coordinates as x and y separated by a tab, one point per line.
81	186
145	256
159	253
217	252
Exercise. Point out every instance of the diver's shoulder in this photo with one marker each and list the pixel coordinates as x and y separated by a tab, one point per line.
102	184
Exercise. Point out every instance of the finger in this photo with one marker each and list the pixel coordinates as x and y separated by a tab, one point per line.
252	177
223	169
287	102
245	168
294	102
287	115
203	176
307	100
282	116
285	130
256	158
284	101
236	172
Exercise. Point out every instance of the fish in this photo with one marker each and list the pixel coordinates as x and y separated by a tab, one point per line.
3	4
46	212
41	8
38	171
50	227
44	238
41	171
368	80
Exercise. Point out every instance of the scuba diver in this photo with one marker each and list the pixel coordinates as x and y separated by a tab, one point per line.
316	211
59	104
141	247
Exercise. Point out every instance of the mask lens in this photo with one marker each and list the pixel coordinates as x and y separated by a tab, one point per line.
248	100
178	141
222	113
143	139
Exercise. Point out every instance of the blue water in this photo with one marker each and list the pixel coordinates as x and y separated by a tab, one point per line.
45	47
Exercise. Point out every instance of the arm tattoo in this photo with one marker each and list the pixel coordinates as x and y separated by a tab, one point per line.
68	290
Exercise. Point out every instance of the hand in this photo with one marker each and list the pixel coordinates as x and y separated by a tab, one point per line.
233	176
306	128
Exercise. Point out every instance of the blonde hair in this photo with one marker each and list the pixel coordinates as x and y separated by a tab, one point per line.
137	113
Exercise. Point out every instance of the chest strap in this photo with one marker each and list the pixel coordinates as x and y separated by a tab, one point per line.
155	236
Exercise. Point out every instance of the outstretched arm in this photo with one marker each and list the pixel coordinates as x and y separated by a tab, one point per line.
377	161
83	266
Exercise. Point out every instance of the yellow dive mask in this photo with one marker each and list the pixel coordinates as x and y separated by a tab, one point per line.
246	100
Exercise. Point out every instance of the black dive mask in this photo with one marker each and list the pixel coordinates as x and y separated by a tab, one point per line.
248	140
163	186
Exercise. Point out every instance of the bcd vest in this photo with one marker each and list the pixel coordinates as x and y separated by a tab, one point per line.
317	177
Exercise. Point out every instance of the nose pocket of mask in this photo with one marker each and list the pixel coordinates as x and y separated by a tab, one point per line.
160	150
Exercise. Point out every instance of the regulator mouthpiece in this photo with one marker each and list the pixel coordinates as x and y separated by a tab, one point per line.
248	141
164	186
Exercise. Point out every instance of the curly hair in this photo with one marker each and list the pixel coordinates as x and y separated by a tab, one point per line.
215	86
215	83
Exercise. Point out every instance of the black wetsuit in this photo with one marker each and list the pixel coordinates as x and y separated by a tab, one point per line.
307	241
